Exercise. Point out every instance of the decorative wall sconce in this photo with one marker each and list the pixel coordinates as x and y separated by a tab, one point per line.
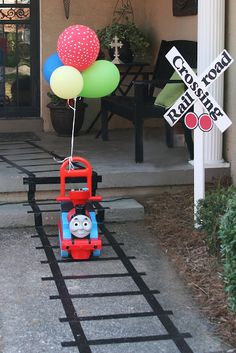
123	11
67	8
185	7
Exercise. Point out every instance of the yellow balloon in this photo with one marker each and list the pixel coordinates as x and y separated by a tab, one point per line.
66	82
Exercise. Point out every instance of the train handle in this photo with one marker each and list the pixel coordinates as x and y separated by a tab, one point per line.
83	172
86	170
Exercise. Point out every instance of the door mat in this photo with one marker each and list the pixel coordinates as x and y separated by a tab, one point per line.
18	136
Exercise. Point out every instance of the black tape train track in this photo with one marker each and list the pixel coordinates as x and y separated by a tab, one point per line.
27	148
71	316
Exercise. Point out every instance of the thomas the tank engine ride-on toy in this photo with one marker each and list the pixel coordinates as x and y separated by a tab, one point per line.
78	229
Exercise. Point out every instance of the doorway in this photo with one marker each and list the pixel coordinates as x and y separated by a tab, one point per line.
19	58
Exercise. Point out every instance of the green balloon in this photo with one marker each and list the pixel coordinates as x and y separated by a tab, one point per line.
100	79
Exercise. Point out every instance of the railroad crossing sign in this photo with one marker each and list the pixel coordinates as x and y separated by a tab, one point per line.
197	91
197	88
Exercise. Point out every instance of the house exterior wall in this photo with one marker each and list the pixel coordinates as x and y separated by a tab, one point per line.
53	22
230	87
155	17
163	25
92	13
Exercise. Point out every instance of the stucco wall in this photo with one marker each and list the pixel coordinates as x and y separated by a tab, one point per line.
163	25
53	22
155	17
92	13
230	87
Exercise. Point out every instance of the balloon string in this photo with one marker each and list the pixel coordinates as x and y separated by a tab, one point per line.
72	133
74	107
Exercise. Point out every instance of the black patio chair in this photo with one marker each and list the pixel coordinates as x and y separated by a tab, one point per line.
141	106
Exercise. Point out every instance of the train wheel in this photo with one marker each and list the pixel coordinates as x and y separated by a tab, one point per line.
63	253
96	253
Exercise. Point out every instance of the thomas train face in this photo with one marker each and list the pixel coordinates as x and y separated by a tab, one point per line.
80	226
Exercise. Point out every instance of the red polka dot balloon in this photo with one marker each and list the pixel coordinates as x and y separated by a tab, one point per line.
78	46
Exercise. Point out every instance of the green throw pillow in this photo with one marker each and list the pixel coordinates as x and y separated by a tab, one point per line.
170	93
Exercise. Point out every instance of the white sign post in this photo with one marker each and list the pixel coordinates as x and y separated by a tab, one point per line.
199	168
197	92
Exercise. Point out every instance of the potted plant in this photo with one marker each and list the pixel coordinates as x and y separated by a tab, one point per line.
62	115
134	41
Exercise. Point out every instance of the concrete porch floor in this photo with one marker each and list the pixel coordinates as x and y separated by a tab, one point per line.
113	159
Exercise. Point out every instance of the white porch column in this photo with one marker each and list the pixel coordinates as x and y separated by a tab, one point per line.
211	32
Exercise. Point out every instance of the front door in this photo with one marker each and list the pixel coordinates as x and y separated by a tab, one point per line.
19	58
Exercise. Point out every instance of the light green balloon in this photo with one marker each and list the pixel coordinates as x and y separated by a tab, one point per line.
100	79
66	82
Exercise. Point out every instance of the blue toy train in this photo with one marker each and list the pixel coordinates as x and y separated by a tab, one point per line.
78	229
